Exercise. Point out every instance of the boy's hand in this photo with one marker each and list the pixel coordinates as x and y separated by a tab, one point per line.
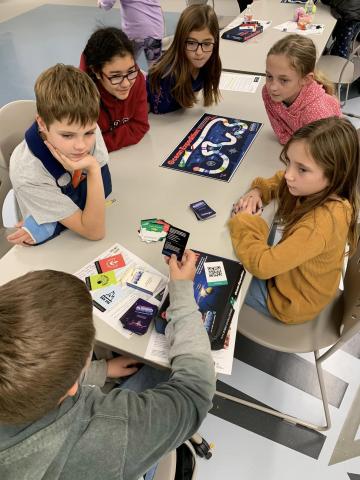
184	270
88	162
21	236
249	203
121	367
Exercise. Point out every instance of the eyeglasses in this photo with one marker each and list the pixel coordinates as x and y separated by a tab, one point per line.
118	79
193	45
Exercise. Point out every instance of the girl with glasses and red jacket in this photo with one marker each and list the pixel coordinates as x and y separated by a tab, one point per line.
109	60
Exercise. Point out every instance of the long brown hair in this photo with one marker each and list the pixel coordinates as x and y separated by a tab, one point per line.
301	52
333	144
45	340
175	63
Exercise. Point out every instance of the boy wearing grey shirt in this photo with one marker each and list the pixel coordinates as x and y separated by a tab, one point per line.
51	426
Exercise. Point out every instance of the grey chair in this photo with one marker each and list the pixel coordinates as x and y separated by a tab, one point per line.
342	71
15	118
336	324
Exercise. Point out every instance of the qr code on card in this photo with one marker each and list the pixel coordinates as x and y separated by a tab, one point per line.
215	273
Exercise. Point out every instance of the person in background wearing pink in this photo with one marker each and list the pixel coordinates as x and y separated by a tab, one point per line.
295	94
143	23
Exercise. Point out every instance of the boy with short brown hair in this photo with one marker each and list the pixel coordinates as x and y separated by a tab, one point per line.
59	172
51	426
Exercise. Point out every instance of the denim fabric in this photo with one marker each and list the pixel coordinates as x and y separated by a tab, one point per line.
344	32
146	377
257	295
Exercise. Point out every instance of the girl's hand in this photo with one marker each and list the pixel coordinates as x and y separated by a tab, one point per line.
88	162
121	367
250	203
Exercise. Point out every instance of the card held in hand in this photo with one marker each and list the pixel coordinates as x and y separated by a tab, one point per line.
175	242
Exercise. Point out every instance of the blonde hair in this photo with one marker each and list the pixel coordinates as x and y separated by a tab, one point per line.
301	52
175	63
46	338
65	92
334	145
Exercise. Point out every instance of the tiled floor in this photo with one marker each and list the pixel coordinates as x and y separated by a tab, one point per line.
249	445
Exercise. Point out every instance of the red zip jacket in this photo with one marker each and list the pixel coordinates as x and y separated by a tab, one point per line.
122	122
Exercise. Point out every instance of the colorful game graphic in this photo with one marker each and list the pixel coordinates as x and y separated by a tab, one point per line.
214	147
215	302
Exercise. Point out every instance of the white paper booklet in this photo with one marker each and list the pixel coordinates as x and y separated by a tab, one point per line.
239	82
113	301
158	348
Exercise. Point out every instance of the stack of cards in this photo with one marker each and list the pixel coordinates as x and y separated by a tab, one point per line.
175	242
153	230
138	318
202	210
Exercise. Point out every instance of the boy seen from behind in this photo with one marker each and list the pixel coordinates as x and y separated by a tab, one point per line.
59	172
51	426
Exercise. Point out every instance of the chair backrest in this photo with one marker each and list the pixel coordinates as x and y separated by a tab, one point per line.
5	187
10	211
350	304
15	118
352	61
351	297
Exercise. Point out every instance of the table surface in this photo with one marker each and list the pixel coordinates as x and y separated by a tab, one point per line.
250	56
144	190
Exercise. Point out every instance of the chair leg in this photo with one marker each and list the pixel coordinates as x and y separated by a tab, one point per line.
324	398
290	418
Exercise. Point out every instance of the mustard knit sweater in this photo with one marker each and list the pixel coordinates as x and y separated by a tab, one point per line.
303	270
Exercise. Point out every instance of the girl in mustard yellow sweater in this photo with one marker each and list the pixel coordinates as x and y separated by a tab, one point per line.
296	276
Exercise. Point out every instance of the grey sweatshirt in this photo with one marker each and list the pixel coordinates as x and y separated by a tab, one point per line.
120	435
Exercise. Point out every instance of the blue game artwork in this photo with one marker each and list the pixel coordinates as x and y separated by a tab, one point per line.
214	147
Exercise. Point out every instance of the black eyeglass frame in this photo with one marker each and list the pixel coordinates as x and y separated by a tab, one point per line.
122	77
199	44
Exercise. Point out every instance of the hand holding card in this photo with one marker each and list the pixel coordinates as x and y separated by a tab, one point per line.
184	270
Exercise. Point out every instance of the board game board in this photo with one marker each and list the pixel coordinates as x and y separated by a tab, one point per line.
214	147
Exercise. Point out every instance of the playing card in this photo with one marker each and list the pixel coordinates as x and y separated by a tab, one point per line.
110	263
101	280
175	242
